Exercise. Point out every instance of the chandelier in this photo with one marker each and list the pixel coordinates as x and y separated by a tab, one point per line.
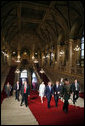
43	57
5	54
18	59
33	57
41	71
77	48
35	61
61	52
47	56
52	54
17	71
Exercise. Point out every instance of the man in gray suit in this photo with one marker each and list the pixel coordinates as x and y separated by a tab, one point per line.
75	90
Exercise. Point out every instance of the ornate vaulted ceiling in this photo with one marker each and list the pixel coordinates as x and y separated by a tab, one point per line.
35	24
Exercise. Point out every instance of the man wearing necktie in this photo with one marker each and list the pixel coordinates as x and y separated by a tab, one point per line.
17	89
56	92
49	93
26	92
66	94
75	90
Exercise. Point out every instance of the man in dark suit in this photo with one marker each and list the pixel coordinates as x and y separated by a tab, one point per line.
25	91
49	93
75	90
66	94
17	90
57	90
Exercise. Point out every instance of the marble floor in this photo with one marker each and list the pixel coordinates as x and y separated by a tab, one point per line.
14	114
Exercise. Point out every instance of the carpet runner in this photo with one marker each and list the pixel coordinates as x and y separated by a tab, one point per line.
54	116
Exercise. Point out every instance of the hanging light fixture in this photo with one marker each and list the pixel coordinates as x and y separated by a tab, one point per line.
77	48
17	71
25	53
55	62
43	57
14	52
61	52
47	56
33	57
5	54
35	61
41	71
52	54
18	59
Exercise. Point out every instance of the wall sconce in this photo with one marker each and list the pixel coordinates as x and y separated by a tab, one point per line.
77	48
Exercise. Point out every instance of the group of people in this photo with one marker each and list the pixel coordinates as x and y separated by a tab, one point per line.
24	90
61	89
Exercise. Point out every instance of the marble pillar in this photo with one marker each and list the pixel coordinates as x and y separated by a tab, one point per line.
70	54
58	54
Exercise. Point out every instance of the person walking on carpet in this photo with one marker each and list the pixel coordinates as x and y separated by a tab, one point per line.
66	94
42	91
25	89
8	88
49	93
57	90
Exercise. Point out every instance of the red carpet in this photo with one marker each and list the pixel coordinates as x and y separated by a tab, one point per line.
10	78
54	116
81	95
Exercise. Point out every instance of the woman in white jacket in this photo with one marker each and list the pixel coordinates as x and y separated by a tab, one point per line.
42	91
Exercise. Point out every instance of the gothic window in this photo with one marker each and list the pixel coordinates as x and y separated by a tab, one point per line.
82	48
82	51
24	74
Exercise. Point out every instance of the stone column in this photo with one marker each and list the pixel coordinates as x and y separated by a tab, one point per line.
58	54
70	54
78	52
9	58
63	56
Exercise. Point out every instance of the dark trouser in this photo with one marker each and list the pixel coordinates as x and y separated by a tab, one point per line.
17	95
25	98
76	93
8	93
65	106
49	99
56	97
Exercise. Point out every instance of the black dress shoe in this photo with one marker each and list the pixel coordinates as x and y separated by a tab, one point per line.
56	105
48	106
66	111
